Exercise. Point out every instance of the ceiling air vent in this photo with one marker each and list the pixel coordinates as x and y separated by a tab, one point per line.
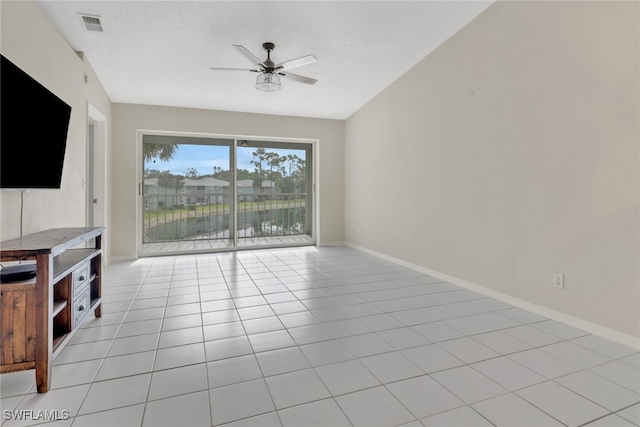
91	22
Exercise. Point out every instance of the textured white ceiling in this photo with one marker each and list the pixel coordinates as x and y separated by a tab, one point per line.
159	52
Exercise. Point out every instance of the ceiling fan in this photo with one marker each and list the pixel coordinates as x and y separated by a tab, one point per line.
268	79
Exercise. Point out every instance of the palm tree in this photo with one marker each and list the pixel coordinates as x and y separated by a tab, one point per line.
164	152
291	159
259	157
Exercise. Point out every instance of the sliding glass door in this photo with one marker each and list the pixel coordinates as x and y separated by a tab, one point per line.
274	193
203	194
187	197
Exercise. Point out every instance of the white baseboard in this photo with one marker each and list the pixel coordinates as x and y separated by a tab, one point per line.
123	258
593	328
336	243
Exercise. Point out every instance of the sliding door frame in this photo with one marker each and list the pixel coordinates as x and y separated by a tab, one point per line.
312	197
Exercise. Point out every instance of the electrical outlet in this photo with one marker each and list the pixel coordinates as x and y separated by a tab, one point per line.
558	280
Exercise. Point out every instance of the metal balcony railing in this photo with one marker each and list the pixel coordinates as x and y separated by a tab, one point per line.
202	215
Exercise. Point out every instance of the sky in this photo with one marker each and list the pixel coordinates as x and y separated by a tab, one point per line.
204	157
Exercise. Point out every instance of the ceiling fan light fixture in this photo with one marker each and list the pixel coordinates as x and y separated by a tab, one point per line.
268	82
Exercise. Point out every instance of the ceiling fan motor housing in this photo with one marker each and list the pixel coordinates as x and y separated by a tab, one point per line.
269	64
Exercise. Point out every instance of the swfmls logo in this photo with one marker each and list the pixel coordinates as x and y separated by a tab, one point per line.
39	415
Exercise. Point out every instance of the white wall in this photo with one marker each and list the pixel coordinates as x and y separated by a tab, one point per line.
511	153
33	44
508	154
128	119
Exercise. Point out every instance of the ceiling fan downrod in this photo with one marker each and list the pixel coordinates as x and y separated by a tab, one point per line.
269	64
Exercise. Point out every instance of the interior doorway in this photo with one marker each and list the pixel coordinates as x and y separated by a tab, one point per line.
96	168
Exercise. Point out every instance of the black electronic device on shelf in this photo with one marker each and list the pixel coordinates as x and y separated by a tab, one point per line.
17	273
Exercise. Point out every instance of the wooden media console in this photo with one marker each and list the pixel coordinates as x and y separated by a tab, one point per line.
38	316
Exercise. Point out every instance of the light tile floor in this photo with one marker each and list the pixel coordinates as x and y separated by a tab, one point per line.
325	336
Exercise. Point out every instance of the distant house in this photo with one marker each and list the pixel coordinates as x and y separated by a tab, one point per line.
268	187
200	191
193	191
245	188
157	196
204	191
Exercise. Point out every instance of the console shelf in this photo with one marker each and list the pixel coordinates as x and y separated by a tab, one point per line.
40	315
58	306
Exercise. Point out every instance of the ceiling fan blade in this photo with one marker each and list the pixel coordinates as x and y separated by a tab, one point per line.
249	55
301	79
233	69
295	63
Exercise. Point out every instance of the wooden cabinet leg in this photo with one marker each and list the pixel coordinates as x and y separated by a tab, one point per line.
42	376
44	324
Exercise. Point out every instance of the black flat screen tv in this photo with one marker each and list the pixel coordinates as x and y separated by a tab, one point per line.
33	131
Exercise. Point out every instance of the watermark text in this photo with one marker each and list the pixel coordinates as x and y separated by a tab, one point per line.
36	415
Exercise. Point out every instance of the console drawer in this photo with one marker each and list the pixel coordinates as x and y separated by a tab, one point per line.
80	278
81	305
